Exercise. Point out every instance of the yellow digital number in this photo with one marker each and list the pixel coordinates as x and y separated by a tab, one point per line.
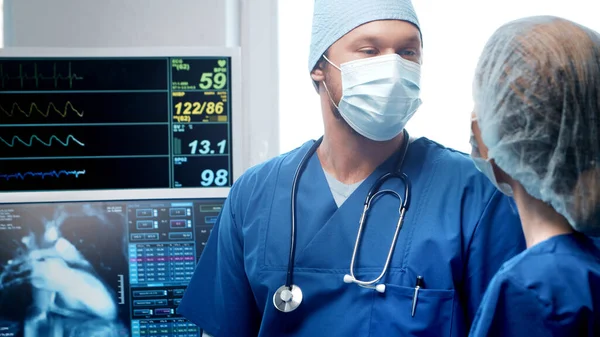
197	108
182	119
219	108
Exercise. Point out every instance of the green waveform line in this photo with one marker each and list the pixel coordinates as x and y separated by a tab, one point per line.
64	143
33	107
56	76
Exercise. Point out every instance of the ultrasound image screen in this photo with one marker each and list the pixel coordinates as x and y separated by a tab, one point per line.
100	269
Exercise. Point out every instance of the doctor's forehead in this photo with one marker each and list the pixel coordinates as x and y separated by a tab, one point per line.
386	33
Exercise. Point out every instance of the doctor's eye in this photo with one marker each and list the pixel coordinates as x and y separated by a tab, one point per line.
369	51
407	53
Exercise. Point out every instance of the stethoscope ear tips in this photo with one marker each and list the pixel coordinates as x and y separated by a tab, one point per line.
380	288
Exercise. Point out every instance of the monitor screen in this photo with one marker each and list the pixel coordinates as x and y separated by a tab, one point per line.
102	268
88	122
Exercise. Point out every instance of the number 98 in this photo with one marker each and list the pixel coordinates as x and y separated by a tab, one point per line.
219	178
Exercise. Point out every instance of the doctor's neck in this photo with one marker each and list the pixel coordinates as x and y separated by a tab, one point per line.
539	220
348	156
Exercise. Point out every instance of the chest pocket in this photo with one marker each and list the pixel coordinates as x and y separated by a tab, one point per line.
392	312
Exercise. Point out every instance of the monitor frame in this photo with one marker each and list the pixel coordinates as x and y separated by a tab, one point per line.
113	195
237	117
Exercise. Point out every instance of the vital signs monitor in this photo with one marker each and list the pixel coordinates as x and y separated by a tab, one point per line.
137	118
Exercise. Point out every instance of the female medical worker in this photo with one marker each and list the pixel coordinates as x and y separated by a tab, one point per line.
537	137
457	230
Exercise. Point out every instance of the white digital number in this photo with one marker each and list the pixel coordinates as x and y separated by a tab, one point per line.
194	146
220	178
222	144
205	147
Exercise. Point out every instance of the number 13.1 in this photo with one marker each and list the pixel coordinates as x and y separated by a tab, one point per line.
205	147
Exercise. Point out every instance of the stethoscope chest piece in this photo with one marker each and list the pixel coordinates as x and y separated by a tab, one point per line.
286	299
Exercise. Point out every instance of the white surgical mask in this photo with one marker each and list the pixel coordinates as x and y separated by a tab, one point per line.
486	167
379	95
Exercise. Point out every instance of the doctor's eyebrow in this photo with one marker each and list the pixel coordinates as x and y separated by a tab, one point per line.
379	41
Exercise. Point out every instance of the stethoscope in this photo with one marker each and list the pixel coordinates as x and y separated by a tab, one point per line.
289	296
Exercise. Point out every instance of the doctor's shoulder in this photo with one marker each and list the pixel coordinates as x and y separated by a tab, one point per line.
482	202
455	169
255	187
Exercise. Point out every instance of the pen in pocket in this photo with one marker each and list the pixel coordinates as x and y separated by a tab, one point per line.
418	285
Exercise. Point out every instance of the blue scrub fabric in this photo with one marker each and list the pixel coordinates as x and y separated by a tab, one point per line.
457	233
551	289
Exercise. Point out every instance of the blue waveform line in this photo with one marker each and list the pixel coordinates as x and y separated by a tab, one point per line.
43	175
65	143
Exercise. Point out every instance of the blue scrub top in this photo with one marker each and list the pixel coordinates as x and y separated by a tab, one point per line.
551	289
457	233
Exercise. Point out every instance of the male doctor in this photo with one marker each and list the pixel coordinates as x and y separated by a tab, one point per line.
365	60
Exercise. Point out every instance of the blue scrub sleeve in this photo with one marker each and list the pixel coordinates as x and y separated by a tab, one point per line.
497	238
509	309
218	298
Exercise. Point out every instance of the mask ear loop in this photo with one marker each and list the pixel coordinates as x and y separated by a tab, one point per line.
336	67
329	95
325	84
474	146
476	154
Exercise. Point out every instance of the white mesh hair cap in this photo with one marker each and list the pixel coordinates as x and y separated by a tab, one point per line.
537	102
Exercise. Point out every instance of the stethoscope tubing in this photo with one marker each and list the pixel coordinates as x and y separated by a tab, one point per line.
313	149
372	191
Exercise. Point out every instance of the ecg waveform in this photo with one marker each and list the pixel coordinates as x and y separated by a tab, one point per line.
37	76
34	108
64	143
43	175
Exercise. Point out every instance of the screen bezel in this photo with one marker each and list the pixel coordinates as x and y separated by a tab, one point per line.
142	194
113	195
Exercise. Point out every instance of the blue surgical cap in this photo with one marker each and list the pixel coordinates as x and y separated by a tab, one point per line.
537	101
333	19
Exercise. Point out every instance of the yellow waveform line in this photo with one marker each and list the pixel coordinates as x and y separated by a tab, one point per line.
33	107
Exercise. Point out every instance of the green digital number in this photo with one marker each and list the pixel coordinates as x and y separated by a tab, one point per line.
212	81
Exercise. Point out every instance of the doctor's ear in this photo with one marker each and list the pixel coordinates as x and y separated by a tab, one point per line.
318	73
